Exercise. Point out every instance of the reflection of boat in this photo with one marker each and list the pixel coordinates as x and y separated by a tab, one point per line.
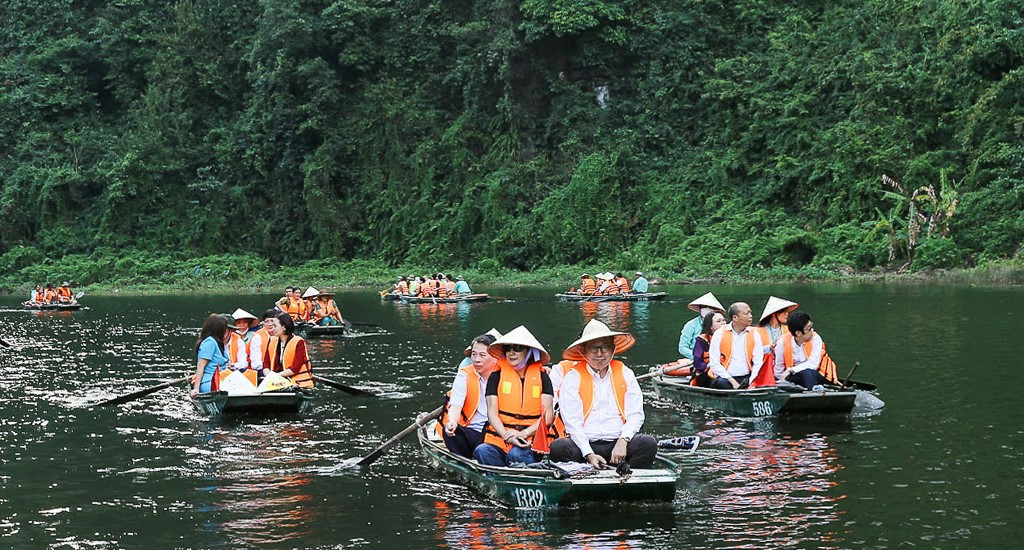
219	402
449	300
755	402
642	297
36	306
535	487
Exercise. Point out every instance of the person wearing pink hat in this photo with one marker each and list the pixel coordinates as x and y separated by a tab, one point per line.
601	404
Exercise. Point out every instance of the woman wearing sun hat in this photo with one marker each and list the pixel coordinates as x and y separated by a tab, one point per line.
601	404
688	336
771	327
518	393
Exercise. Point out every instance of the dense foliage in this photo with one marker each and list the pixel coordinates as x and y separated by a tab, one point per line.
681	135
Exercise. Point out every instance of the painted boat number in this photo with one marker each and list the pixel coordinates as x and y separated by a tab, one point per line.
762	408
528	498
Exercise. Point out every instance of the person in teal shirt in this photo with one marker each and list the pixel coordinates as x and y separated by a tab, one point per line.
210	355
688	336
639	284
461	287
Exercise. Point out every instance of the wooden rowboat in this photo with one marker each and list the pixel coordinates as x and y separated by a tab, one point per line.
643	297
316	331
449	300
536	487
830	401
220	403
51	307
746	403
390	297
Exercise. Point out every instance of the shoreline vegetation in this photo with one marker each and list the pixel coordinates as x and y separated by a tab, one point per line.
136	274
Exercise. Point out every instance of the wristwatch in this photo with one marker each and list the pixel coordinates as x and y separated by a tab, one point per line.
626	439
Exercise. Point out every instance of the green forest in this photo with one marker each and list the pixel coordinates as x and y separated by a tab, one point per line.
681	136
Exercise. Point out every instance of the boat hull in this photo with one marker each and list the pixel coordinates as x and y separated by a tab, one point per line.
644	297
220	403
449	300
747	403
533	488
53	307
826	402
316	331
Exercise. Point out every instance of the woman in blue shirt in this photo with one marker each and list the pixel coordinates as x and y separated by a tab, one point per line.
210	352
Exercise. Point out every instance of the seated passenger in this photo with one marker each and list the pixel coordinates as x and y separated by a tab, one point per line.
64	294
518	393
325	310
712	322
601	404
211	357
461	286
771	326
587	285
640	285
286	353
688	335
728	367
622	283
800	355
466	412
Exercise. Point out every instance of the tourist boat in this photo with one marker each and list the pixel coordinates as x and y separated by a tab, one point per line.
449	300
642	297
280	402
549	486
36	306
748	403
390	297
316	331
833	400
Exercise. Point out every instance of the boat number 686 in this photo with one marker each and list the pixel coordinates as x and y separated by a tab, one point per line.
527	498
762	408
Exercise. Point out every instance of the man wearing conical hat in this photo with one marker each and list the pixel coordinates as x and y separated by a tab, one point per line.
688	336
601	404
770	327
519	400
324	311
466	412
736	353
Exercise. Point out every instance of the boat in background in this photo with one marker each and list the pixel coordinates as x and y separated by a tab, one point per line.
449	300
641	297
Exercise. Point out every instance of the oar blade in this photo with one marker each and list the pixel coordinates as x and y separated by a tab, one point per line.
337	385
139	393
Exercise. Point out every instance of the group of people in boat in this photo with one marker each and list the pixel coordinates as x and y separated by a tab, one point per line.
728	351
610	284
310	307
506	401
252	347
48	295
430	286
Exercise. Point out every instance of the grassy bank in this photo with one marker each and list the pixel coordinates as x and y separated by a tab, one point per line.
148	273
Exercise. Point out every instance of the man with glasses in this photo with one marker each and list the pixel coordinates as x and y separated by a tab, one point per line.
601	404
800	355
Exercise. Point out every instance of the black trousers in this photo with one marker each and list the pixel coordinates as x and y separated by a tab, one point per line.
721	383
640	450
463	442
808	378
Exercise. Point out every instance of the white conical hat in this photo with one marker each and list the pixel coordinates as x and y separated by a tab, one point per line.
310	292
707	300
243	314
593	331
522	336
775	305
493	332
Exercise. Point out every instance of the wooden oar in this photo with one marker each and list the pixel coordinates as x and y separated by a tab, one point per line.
846	381
137	394
338	385
420	422
79	295
4	343
663	370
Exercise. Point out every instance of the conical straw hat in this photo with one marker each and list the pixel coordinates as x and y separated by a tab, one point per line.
519	335
775	305
707	300
493	332
593	331
310	292
243	314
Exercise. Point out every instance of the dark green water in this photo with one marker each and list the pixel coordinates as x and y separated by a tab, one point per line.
939	466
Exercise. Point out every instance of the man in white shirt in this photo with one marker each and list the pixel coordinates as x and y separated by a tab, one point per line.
601	404
736	352
466	412
800	355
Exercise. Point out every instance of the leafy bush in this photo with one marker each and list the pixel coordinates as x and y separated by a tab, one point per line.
937	253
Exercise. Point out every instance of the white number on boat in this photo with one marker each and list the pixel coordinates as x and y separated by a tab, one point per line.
528	498
762	408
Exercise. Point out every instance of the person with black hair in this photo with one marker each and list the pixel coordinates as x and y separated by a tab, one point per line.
286	352
210	355
466	412
800	355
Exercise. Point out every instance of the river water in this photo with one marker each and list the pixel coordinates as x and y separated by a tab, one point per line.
940	466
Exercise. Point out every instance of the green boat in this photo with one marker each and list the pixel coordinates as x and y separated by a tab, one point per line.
220	403
624	297
453	299
830	401
537	487
316	331
746	403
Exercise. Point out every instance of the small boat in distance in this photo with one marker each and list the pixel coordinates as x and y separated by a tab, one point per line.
624	297
453	299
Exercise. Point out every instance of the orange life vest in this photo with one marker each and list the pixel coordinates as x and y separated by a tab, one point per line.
587	386
329	310
472	399
427	288
623	284
264	342
611	289
443	291
303	374
296	308
826	367
766	376
402	287
519	401
726	349
588	286
64	293
233	346
38	296
49	295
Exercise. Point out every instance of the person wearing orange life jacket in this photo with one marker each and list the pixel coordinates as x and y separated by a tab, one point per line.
770	327
254	337
622	283
701	356
518	393
64	294
601	404
38	295
292	303
427	287
50	294
736	353
325	310
441	289
607	287
286	353
308	297
466	412
800	355
587	285
402	286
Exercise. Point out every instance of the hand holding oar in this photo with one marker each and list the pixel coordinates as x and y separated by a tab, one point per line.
337	385
141	393
420	422
666	368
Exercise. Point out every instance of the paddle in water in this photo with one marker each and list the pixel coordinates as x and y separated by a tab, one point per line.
140	393
420	422
338	385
